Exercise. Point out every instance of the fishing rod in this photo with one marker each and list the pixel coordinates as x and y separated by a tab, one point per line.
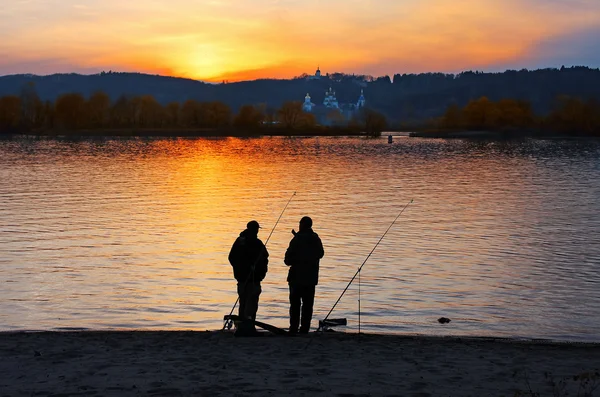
365	261
228	323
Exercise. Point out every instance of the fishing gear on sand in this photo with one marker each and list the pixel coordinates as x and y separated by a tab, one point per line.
228	319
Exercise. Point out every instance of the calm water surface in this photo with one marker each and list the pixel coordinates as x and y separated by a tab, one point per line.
502	237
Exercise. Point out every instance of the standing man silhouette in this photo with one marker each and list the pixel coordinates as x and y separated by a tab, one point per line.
249	259
302	256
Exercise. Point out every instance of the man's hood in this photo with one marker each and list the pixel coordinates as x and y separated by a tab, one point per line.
308	230
248	235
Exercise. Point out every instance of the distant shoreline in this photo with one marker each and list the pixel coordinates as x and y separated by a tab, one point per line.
494	135
322	132
184	133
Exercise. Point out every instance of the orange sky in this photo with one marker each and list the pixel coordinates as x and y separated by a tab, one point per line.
246	39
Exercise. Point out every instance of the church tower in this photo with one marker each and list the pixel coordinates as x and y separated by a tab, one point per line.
318	73
307	105
330	100
361	100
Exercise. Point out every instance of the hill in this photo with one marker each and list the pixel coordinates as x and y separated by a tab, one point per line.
407	98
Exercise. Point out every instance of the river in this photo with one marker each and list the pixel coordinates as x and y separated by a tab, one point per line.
503	238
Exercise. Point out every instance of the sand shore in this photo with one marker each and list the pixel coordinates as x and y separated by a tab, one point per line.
334	364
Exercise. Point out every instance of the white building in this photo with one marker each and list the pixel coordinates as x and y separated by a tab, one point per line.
317	75
307	106
361	100
330	100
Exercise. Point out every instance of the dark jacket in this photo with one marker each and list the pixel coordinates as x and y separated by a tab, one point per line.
247	252
302	256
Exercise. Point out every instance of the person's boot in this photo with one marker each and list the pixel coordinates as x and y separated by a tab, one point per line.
246	328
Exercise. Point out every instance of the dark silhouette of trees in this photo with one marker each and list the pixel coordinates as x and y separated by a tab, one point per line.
335	117
191	113
148	113
308	121
49	115
172	114
452	119
196	114
290	114
10	113
122	113
270	114
483	114
71	111
249	118
145	113
31	107
217	114
480	114
575	116
514	114
374	122
405	98
98	110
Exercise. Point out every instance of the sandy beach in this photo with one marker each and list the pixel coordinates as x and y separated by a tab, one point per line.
333	364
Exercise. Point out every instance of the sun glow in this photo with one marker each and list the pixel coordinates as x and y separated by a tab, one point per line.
227	40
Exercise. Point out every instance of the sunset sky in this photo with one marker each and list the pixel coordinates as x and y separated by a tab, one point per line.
233	40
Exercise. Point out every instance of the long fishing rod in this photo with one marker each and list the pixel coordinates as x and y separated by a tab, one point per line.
365	261
228	322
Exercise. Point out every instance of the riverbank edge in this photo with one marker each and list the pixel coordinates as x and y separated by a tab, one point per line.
315	334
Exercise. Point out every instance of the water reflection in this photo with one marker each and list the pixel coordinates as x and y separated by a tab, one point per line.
502	237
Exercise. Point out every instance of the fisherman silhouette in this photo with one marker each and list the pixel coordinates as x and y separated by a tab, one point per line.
249	259
302	256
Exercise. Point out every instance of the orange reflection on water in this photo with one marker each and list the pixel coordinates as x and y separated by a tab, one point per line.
136	233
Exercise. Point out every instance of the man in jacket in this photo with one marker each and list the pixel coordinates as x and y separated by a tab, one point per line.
302	256
249	259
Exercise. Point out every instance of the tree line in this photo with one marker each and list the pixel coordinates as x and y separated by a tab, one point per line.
572	116
73	112
403	98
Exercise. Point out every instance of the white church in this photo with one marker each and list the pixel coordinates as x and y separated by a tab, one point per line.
331	102
325	113
317	75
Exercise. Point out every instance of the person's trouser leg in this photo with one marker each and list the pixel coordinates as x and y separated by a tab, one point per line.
252	300
241	288
295	302
248	293
308	300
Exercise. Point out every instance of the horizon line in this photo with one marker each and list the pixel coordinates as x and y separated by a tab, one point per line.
217	82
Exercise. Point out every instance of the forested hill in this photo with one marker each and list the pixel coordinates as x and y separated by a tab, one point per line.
405	97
